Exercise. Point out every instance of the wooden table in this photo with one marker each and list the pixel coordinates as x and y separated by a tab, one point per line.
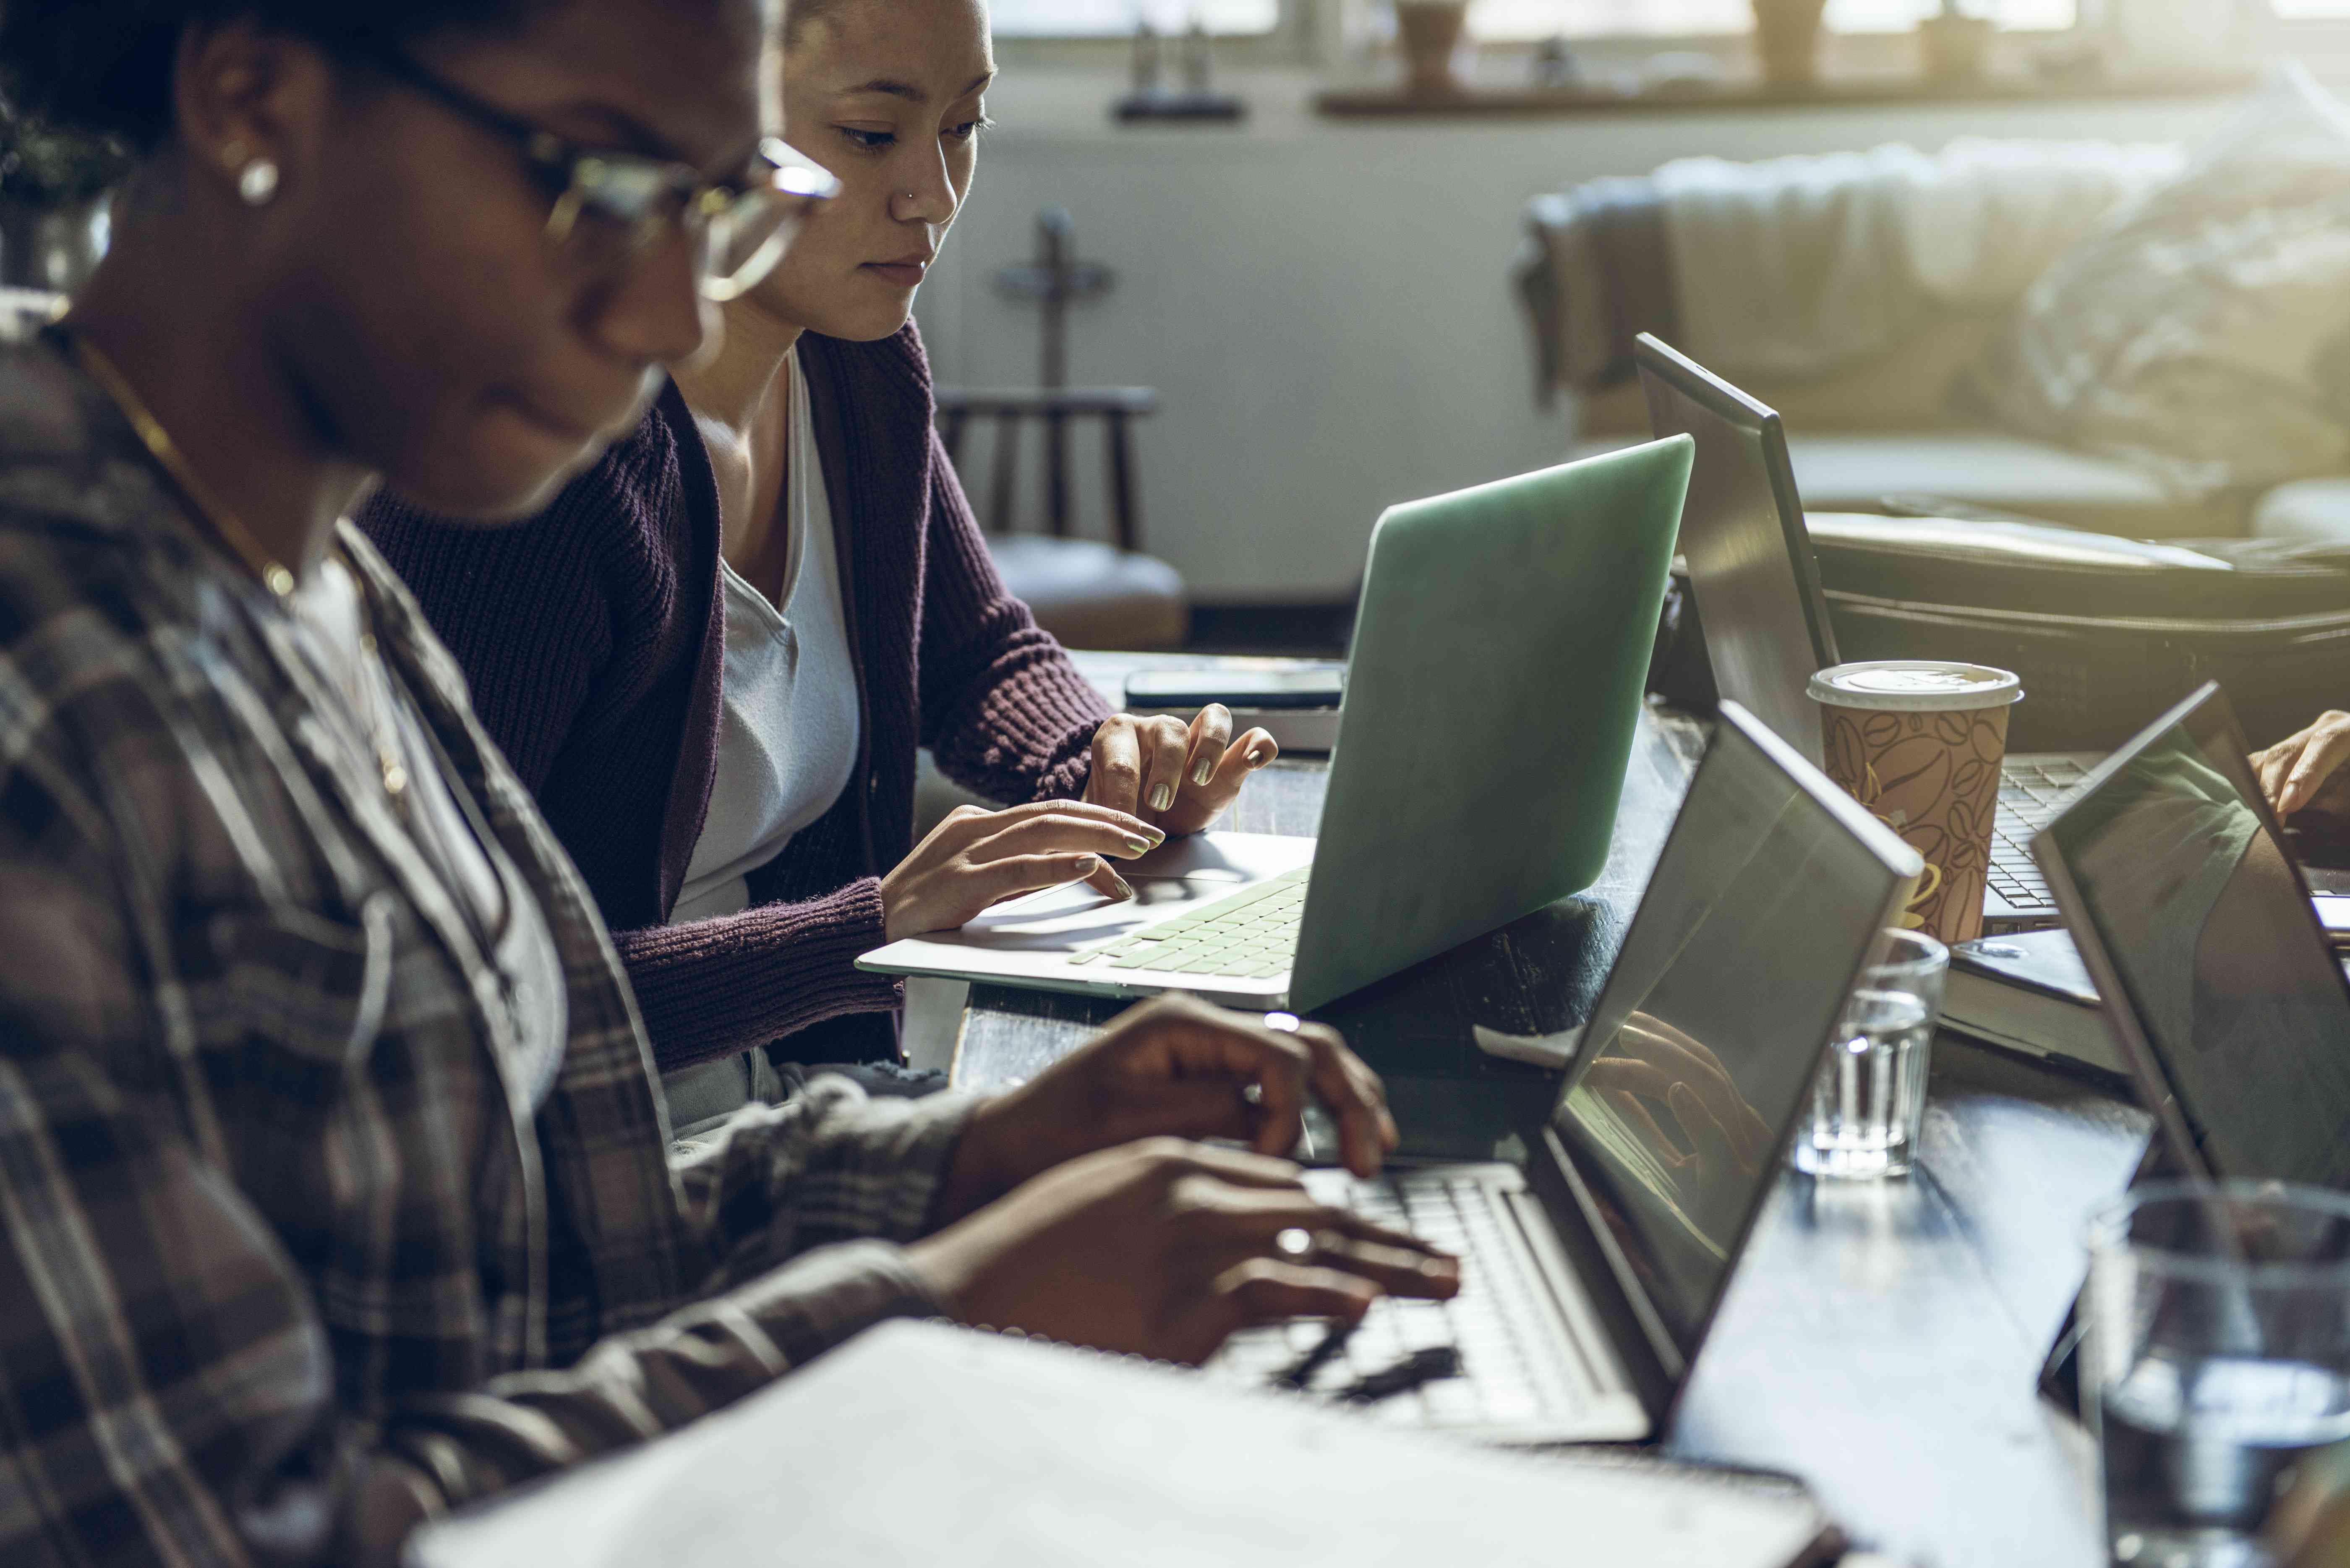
1882	1340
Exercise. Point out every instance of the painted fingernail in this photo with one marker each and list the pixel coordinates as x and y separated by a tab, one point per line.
1140	846
1162	798
1204	772
1258	756
1124	888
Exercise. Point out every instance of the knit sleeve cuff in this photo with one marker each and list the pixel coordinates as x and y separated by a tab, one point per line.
1024	728
1069	765
712	987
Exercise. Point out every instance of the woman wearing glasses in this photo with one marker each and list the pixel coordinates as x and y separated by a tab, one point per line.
713	657
333	1180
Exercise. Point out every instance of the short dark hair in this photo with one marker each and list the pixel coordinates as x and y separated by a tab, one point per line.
104	67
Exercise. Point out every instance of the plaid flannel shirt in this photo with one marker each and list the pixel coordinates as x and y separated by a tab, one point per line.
285	1260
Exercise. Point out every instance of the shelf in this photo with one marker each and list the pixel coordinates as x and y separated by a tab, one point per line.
1390	103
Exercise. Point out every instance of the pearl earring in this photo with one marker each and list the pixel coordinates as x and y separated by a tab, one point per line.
257	182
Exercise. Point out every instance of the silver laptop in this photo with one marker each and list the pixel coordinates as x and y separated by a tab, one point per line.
2224	997
1593	1274
1766	618
1501	648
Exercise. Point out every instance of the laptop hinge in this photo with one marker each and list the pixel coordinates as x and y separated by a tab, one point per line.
1603	1368
1650	1359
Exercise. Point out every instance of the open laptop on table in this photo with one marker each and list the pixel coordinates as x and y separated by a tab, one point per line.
1766	620
1593	1274
2224	998
1501	649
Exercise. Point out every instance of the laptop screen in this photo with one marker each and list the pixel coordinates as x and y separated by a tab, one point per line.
2204	918
1766	902
1750	557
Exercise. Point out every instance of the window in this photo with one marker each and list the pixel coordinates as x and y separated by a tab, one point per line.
1117	18
1525	21
1509	21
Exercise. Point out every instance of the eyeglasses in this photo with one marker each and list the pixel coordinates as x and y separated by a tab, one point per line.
612	206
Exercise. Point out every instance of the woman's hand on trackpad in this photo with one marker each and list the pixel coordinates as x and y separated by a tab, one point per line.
977	859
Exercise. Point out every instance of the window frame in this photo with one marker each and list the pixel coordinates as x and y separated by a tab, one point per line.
1327	35
1508	48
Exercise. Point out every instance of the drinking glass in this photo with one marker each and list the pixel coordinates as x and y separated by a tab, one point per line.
2217	1361
1870	1096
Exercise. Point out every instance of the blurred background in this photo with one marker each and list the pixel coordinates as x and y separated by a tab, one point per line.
1371	283
1267	266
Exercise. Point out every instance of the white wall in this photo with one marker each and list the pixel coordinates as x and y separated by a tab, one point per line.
1325	305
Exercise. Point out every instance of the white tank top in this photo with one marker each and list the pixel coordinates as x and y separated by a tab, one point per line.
788	723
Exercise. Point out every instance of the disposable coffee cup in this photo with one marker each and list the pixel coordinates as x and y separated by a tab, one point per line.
1919	742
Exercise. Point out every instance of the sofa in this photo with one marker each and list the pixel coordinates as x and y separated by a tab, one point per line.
1886	424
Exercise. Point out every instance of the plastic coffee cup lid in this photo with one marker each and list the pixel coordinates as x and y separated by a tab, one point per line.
1916	686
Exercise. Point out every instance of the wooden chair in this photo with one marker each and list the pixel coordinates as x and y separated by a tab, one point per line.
1089	593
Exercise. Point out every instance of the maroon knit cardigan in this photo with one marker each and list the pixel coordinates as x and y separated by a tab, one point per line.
594	636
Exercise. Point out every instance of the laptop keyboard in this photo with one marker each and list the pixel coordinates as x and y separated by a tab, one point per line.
2036	787
2030	794
1469	1362
1250	935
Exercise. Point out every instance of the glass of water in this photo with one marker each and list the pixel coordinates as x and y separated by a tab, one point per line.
1870	1097
2217	1362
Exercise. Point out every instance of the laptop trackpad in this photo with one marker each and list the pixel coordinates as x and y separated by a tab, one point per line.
1182	873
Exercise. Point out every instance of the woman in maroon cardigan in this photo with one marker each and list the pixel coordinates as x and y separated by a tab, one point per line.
714	665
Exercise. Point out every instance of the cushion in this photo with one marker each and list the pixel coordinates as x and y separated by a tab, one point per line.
2001	473
2306	512
1093	594
2203	333
1857	471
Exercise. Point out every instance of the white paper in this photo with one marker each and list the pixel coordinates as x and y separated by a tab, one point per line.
918	1443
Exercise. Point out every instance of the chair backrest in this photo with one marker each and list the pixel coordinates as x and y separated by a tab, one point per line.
1055	408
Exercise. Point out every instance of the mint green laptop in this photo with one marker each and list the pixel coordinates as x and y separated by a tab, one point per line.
1500	650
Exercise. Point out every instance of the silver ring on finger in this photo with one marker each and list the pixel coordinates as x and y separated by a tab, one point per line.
1295	1245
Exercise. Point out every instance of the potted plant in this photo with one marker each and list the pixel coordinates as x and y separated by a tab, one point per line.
1787	37
53	191
1953	46
1429	32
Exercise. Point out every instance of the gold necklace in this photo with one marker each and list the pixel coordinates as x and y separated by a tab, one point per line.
273	573
383	731
201	501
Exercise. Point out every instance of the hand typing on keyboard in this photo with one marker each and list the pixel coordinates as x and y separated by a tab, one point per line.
1459	1361
1165	1248
1177	1066
1066	1217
